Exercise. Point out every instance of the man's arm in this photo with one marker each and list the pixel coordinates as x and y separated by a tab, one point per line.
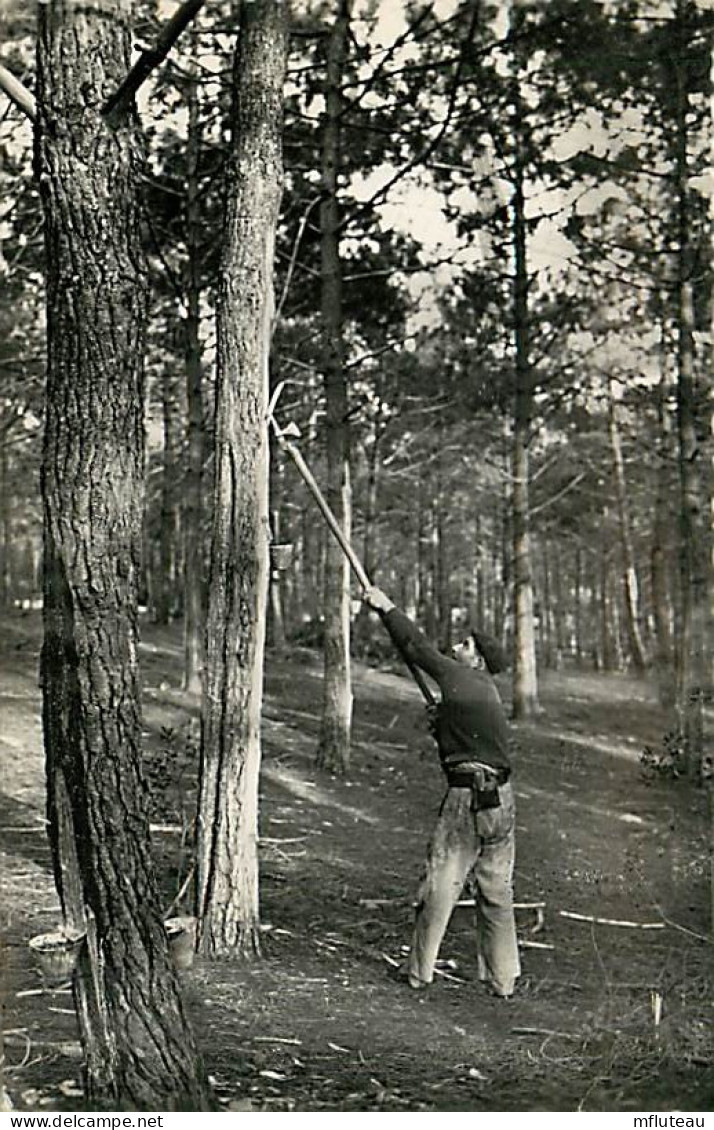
408	639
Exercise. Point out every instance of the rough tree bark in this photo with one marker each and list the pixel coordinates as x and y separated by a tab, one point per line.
140	1053
333	752
238	578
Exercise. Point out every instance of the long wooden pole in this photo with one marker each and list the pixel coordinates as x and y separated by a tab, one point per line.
18	93
336	530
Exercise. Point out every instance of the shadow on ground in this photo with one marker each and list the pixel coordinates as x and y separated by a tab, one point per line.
318	1024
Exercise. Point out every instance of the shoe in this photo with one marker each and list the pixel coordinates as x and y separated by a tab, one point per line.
492	991
404	977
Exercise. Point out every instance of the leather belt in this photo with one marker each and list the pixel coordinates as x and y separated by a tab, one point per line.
467	773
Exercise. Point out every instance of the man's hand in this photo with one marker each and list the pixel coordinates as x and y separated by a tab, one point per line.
378	600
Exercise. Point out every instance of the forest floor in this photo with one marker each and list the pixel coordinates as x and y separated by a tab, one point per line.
319	1024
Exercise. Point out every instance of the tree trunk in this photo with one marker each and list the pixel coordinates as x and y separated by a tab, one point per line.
479	602
607	641
333	752
194	558
167	574
594	633
139	1049
546	610
442	578
5	528
617	633
692	675
363	623
525	683
371	494
431	611
578	609
502	571
661	600
277	621
422	593
558	610
630	587
238	581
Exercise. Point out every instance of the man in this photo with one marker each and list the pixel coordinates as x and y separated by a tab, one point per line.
476	825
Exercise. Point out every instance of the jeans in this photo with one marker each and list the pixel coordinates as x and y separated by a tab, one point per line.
462	840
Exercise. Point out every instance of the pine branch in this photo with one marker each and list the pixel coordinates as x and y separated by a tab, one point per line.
150	59
399	42
558	495
293	257
432	145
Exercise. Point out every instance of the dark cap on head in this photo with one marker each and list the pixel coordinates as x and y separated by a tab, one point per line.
491	650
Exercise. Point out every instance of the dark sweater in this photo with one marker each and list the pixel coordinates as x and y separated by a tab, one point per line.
472	723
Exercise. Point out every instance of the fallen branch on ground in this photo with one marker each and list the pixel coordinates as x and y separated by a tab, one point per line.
290	840
544	1032
372	904
539	908
71	1048
277	1040
516	905
611	921
437	972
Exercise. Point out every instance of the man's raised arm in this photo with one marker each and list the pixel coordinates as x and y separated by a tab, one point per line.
408	639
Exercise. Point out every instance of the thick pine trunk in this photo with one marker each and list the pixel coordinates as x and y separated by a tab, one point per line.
194	557
227	850
525	682
139	1048
630	588
333	752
